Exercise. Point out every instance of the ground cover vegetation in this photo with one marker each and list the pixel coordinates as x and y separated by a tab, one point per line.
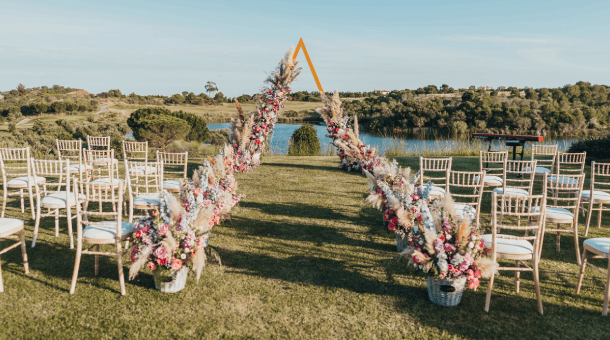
303	257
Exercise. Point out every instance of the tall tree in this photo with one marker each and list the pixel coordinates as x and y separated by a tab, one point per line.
211	87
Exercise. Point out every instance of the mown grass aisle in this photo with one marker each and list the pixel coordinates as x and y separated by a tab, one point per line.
303	257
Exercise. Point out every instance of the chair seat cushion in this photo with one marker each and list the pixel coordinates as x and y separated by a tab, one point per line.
107	231
173	184
539	170
141	169
107	180
76	167
509	246
58	200
601	244
102	161
598	196
511	191
556	213
22	182
490	180
147	200
10	224
461	209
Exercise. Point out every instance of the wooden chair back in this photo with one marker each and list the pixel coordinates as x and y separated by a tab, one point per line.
519	175
98	143
571	163
545	155
435	170
108	201
506	214
106	170
564	191
135	150
493	162
15	162
600	177
174	163
56	172
147	181
466	187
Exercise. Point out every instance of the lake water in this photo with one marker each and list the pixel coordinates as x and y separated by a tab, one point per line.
282	133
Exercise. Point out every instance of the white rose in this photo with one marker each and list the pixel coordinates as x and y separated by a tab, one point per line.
448	237
473	238
471	245
183	256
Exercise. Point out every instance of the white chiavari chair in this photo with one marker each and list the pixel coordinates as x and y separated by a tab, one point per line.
598	193
73	150
435	170
173	164
17	175
8	228
110	230
518	178
493	164
505	209
54	200
466	188
144	187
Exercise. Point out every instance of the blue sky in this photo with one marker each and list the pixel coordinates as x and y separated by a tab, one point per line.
166	47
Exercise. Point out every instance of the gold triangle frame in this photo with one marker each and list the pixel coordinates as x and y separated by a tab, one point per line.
300	45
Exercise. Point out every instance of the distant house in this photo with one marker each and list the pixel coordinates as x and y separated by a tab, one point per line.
383	92
501	88
1	97
488	88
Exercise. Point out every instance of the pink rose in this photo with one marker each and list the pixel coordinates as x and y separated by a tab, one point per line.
160	252
391	225
154	213
134	254
176	264
138	234
162	261
473	284
477	274
163	229
152	266
146	229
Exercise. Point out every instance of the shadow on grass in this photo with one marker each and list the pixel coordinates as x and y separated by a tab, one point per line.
313	167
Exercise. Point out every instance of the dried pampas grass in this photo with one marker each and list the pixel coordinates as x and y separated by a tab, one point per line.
175	208
376	201
430	236
199	261
487	266
394	203
137	266
356	128
463	232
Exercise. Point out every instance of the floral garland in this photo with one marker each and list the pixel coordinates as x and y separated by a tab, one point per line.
176	234
250	135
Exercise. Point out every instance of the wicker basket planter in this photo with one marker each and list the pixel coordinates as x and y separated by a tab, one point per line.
400	243
445	292
177	283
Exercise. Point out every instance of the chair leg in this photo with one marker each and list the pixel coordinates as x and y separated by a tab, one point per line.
56	222
537	287
4	201
517	277
119	255
1	284
558	238
70	233
24	255
606	293
36	224
22	201
589	212
488	296
599	216
581	273
97	260
576	243
79	249
130	212
32	203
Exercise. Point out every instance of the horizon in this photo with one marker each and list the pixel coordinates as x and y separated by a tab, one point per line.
154	48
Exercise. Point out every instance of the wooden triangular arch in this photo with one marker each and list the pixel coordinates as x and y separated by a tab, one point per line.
300	45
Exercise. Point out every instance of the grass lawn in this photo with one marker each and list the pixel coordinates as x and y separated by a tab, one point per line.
303	257
220	113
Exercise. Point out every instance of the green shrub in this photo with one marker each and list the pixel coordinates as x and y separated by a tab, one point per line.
161	130
596	148
198	128
12	127
304	142
220	137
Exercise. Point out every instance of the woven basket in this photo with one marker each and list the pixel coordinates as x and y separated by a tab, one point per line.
445	292
177	283
400	243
